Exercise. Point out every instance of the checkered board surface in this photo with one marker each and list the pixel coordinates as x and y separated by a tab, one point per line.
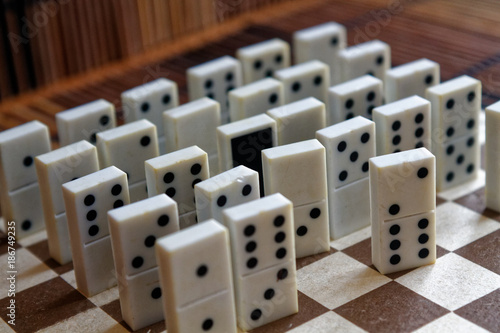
339	291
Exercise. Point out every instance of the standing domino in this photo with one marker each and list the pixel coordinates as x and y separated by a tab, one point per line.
492	156
127	147
372	58
241	143
410	79
403	125
262	59
149	101
195	273
176	175
54	169
298	171
214	79
263	255
194	123
357	97
19	191
349	145
255	98
456	105
88	200
403	229
298	121
321	42
308	79
227	189
85	121
134	230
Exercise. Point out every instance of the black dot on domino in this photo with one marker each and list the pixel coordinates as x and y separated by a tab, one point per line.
145	140
166	99
334	41
195	169
460	159
221	201
118	203
343	175
450	131
196	181
349	103
471	123
116	189
208	84
91	215
422	172
419	118
282	274
170	192
449	176
93	230
301	231
424	253
207	324
229	76
137	262
394	229
269	293
145	107
365	137
471	96
470	142
247	189
273	98
450	150
396	140
269	73
279	237
380	60
104	120
168	178
395	244
296	86
89	200
395	259
281	253
150	241
156	293
252	263
202	270
394	209
429	79
419	132
423	238
256	314
423	223
278	59
251	246
279	221
257	64
341	146
315	213
317	80
369	110
93	138
470	168
354	156
450	103
350	115
26	225
249	230
365	167
370	96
